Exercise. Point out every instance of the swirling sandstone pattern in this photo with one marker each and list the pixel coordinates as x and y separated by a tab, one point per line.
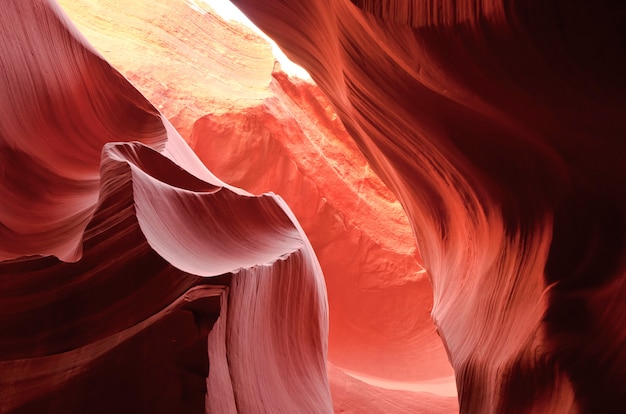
127	267
128	270
500	126
262	130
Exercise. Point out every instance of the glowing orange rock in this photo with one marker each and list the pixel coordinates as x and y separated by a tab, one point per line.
266	131
379	297
132	279
499	125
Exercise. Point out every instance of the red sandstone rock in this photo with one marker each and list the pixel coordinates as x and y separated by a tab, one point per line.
288	140
351	395
379	297
528	268
132	279
500	127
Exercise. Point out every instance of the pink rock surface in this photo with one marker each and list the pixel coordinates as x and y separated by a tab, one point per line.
263	130
350	395
132	279
379	297
499	125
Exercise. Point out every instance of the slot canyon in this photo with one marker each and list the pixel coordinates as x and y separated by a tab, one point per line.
430	219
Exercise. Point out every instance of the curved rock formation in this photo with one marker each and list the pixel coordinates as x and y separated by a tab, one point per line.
130	276
351	395
500	126
132	279
379	297
281	134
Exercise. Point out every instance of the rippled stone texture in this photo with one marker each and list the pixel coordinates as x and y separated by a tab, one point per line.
132	279
500	126
262	130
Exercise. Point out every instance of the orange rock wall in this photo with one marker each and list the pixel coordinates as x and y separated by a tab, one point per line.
499	125
132	279
282	135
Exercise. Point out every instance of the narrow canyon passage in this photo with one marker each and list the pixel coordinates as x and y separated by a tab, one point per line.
262	129
500	126
433	221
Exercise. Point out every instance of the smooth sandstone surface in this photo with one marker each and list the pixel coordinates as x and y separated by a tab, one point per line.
132	279
500	126
281	134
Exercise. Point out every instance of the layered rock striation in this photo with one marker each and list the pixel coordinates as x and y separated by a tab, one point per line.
499	125
132	279
263	130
